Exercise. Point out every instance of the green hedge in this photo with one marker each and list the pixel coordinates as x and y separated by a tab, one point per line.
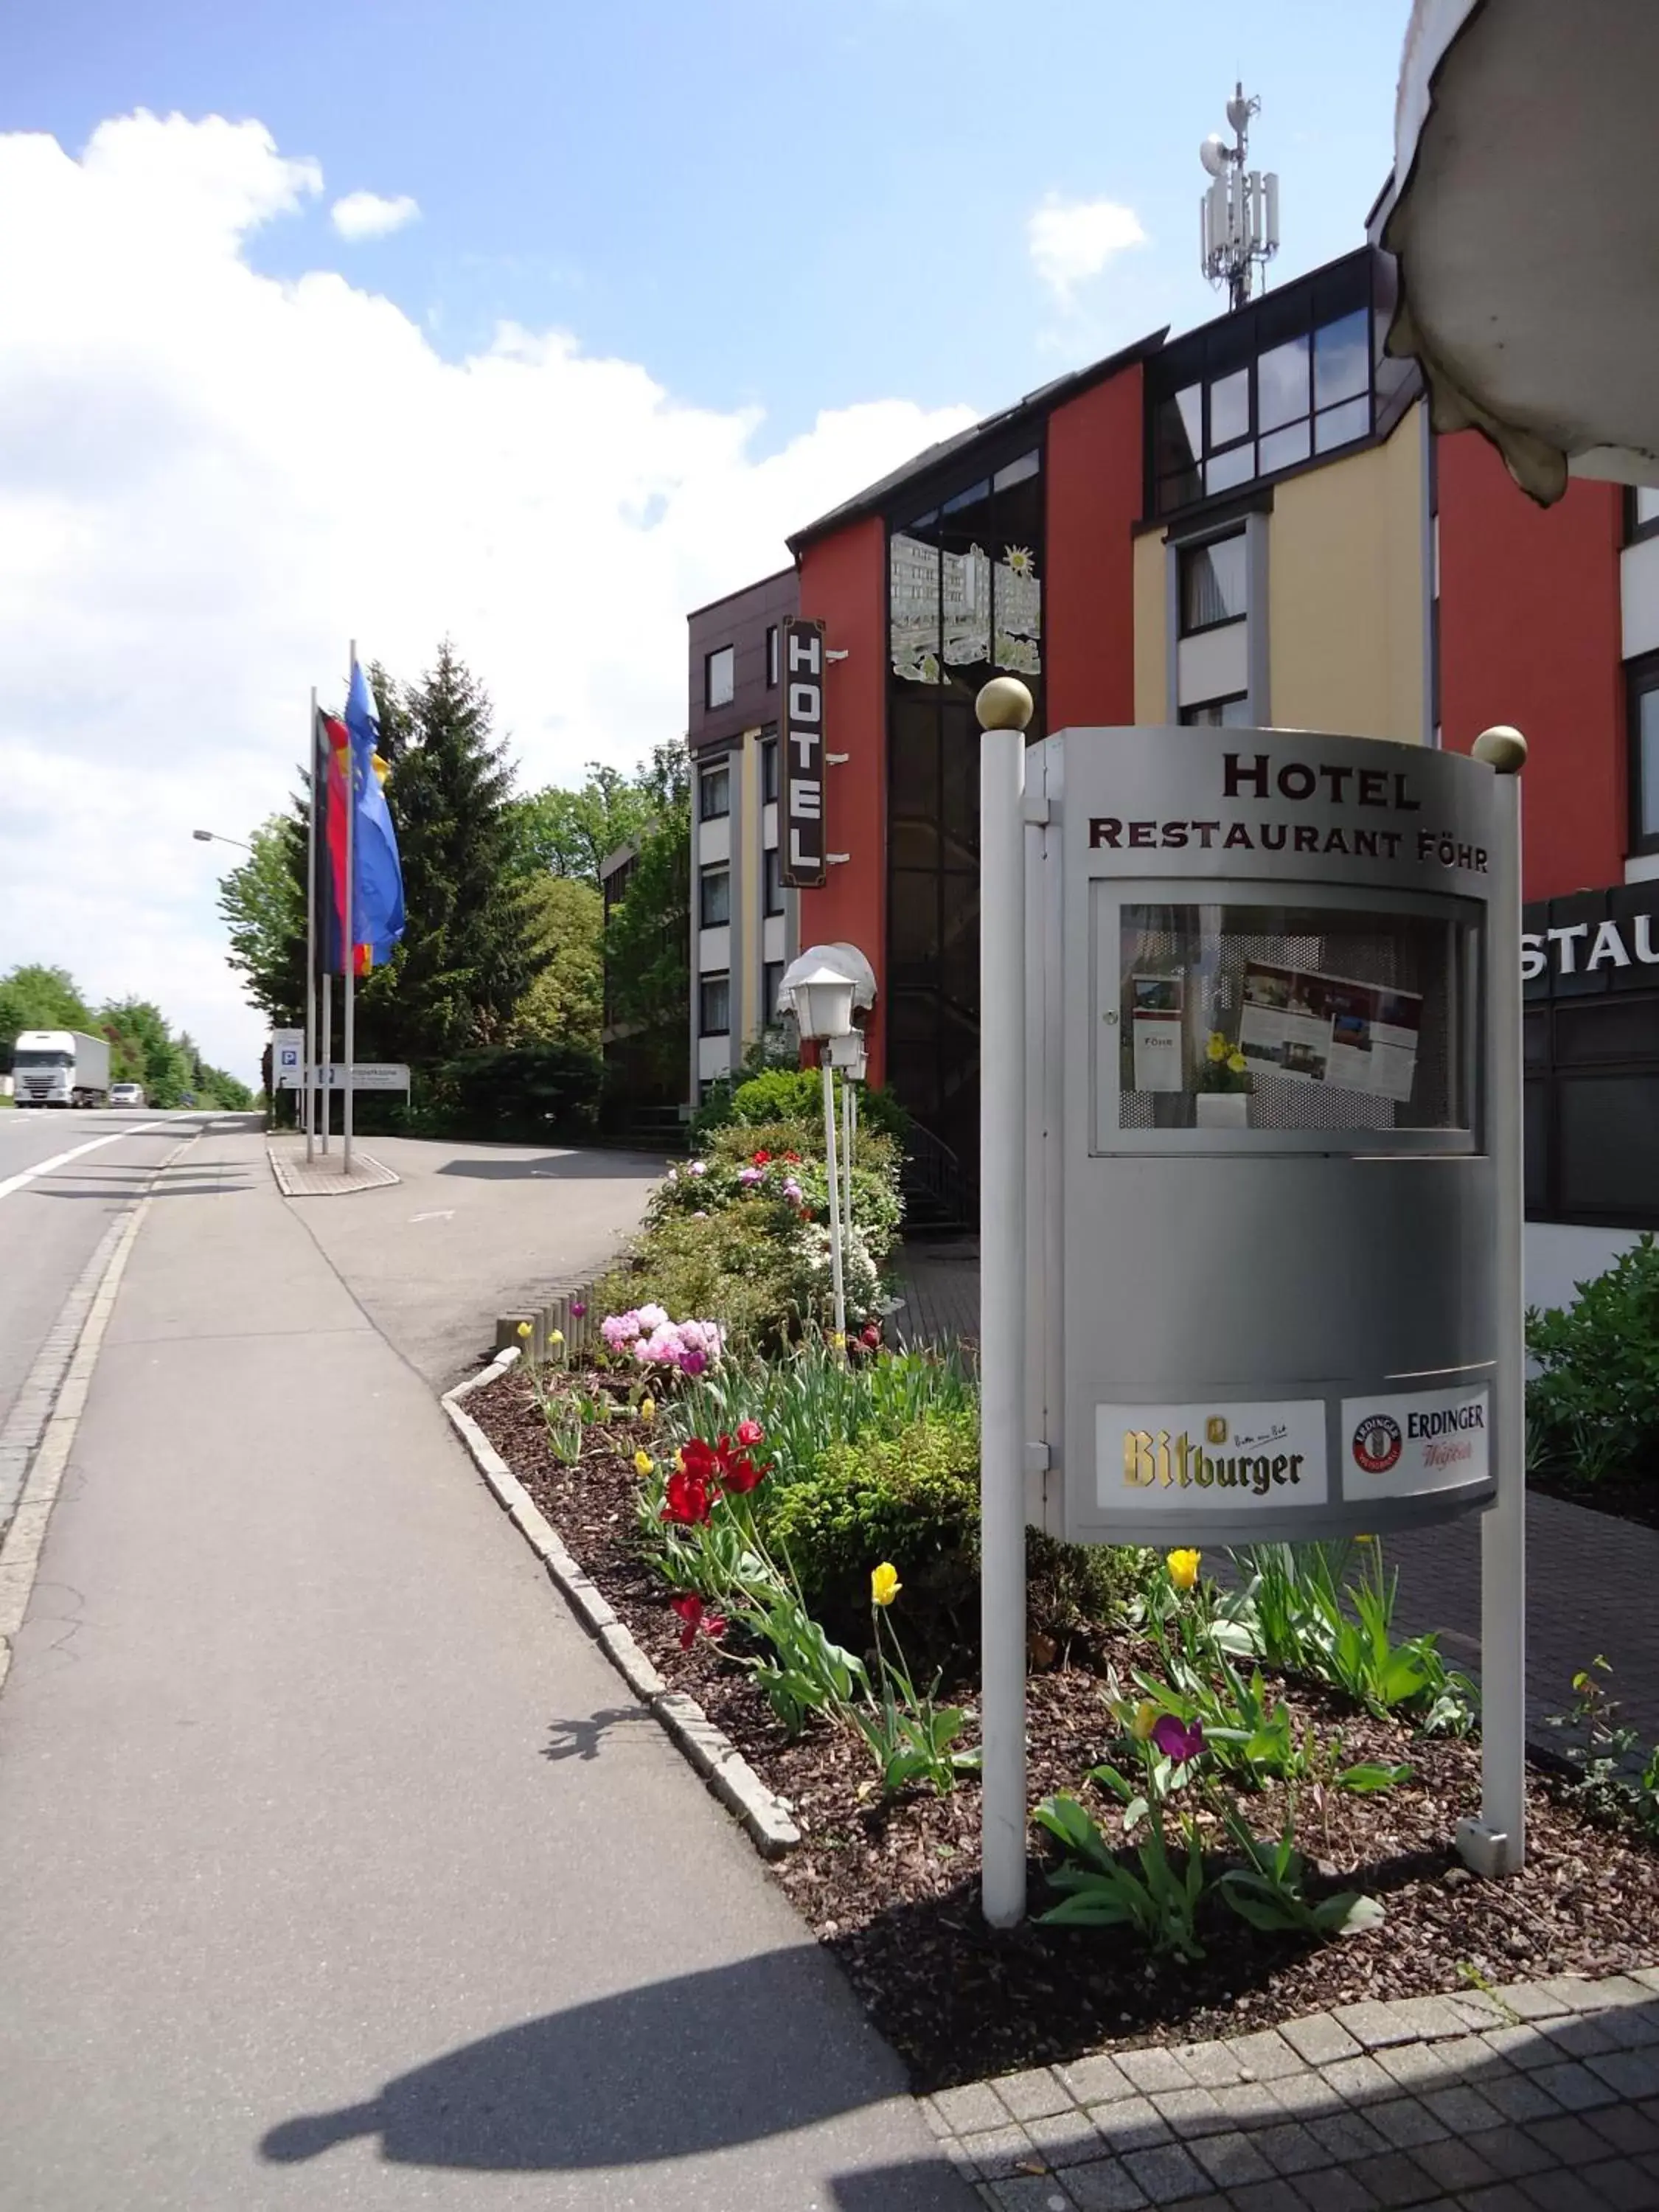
527	1093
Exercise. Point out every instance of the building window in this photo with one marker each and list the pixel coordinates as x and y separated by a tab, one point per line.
715	793
772	863
771	984
719	676
714	1005
1213	584
1641	514
769	771
1643	723
1256	394
715	897
1232	713
772	657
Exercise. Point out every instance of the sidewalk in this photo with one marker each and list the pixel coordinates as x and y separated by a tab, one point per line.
336	1867
1590	1578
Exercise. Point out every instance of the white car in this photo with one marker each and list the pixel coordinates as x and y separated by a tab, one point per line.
126	1094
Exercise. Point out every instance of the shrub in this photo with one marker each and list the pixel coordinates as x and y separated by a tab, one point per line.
912	1499
527	1093
729	1266
1593	1410
796	1094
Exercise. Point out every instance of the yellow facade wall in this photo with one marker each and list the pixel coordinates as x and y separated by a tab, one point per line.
1151	618
749	887
1347	594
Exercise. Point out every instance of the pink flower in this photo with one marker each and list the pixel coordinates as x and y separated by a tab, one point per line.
750	1432
792	1190
693	1363
577	1309
747	1176
697	1167
620	1330
1178	1740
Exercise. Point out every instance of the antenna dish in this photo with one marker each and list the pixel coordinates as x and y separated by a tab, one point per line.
1239	111
1213	155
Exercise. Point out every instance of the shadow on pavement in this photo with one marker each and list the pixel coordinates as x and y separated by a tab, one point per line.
584	1739
219	1187
567	1167
702	2063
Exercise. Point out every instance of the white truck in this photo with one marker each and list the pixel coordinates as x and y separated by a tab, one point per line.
60	1067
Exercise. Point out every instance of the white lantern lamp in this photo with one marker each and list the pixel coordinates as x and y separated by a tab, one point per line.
823	1003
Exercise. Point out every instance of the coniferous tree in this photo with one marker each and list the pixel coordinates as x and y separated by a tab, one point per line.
469	954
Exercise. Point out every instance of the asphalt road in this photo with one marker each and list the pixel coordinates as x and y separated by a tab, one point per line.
471	1231
63	1176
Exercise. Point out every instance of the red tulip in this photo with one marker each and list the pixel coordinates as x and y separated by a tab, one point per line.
760	1159
870	1335
739	1474
694	1616
793	1158
701	1460
750	1432
689	1498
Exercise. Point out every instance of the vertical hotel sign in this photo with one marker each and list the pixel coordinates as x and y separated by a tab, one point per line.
803	848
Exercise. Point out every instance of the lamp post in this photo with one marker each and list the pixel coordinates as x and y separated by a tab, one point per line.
213	838
847	1054
823	1009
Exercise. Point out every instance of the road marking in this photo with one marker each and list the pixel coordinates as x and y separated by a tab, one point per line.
447	1214
24	1540
62	1159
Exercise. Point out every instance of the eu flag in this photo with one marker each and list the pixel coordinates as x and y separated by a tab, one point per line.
378	901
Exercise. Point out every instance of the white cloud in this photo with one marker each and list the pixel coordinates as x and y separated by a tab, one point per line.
1072	240
367	215
210	479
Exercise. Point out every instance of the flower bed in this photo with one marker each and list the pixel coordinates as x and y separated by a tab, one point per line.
887	1875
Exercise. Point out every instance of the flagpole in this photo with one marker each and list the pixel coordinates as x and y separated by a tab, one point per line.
352	915
310	1093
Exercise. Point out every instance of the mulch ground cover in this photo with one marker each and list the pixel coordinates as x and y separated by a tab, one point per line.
892	1890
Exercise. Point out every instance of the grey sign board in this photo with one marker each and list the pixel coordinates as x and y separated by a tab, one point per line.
1262	1201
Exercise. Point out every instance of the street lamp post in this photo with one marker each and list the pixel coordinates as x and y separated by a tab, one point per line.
213	838
824	1010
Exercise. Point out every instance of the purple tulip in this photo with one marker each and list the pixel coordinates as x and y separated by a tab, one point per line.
1178	1740
693	1363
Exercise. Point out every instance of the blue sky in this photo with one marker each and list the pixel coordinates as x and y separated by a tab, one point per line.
793	208
674	277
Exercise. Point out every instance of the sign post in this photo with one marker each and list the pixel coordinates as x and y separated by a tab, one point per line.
1497	1842
1005	708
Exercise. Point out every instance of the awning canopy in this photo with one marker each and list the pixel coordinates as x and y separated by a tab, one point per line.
1527	229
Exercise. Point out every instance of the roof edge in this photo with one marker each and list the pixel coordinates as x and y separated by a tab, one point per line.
1040	402
742	592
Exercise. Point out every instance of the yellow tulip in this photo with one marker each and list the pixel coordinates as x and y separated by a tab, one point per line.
524	1328
643	1462
1144	1722
1236	1061
1217	1046
1183	1568
647	1410
680	1462
884	1585
556	1336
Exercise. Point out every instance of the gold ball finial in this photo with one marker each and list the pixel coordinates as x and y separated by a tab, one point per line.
1502	749
1004	703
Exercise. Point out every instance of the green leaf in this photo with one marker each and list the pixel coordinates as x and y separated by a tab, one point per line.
1348	1915
1369	1776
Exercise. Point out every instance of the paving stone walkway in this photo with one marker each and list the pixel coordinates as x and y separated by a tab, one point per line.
1541	2097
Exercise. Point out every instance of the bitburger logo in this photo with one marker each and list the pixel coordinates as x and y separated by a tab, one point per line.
1376	1443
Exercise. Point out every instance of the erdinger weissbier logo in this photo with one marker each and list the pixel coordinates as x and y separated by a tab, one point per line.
1376	1443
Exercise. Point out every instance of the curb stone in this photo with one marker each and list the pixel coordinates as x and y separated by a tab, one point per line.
707	1749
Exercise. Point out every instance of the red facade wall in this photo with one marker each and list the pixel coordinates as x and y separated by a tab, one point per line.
1094	473
843	584
1530	635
